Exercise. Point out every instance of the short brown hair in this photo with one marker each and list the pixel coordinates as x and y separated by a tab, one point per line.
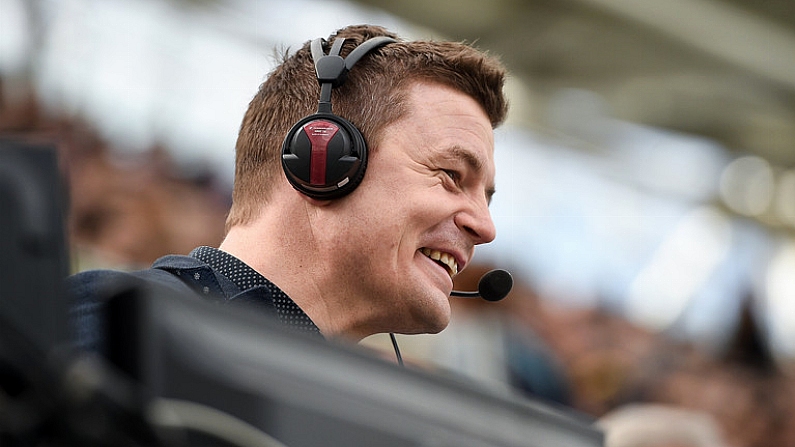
372	97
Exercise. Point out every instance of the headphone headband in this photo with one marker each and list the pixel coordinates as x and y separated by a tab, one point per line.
332	70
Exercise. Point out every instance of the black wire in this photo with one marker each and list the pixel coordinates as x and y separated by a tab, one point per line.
397	350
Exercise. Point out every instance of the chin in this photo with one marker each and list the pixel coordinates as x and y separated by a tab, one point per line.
432	320
436	329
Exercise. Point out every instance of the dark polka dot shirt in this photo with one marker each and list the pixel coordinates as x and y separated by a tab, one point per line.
246	278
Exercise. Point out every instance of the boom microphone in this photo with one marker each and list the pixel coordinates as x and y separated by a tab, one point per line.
493	286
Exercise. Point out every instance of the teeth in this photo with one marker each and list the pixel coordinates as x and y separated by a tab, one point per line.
445	258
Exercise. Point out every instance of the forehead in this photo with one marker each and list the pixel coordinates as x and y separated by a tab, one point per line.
452	124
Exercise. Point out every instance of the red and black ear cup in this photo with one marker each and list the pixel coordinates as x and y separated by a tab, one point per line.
324	156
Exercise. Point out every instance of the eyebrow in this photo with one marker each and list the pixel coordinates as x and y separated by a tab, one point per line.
476	164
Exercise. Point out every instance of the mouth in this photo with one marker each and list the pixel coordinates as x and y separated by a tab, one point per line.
445	260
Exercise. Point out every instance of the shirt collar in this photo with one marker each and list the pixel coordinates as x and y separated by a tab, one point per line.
246	278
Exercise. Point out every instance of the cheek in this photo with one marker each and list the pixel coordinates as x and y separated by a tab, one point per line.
392	210
374	231
393	237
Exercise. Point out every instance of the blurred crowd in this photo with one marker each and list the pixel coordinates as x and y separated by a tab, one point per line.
127	209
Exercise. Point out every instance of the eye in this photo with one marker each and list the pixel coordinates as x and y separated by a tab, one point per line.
453	182
454	175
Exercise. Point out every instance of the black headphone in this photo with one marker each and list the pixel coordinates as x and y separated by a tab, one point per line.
324	156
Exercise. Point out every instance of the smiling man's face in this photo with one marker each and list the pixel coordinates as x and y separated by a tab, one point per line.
419	212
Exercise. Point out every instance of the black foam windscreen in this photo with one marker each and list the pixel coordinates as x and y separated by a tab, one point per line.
495	285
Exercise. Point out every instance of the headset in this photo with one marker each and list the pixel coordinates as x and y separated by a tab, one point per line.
323	155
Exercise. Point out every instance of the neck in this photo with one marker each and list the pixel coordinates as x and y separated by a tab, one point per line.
281	245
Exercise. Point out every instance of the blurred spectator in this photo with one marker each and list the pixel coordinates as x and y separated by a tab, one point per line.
660	426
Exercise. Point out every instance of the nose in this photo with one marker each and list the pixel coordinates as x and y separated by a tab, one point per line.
476	222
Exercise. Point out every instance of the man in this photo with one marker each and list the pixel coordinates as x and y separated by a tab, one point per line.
380	256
